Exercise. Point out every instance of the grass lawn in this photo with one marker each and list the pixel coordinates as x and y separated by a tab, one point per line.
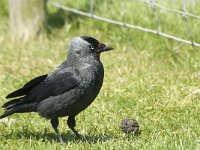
149	78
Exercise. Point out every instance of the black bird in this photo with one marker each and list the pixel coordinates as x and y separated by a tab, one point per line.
67	90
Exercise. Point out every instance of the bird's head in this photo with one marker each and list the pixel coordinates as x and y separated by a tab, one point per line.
85	46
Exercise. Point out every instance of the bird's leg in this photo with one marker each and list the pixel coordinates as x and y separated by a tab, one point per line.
54	123
72	123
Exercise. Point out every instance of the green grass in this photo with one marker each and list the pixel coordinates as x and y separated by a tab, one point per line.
147	77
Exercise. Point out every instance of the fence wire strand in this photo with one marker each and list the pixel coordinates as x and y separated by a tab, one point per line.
123	11
155	15
123	23
171	10
92	7
186	22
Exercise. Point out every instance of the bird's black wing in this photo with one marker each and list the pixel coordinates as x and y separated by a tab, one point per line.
59	82
27	87
55	83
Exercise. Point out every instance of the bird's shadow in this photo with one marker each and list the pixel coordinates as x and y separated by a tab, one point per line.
52	137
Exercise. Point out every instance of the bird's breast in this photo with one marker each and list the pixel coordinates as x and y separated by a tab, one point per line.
92	80
92	75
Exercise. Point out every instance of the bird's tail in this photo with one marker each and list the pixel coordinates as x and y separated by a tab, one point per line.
12	103
30	107
8	106
7	113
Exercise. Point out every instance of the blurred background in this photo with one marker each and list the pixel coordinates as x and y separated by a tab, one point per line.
151	78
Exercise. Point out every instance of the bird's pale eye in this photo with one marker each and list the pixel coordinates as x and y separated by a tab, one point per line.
92	47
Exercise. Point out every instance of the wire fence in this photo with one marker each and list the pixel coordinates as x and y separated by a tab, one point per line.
154	6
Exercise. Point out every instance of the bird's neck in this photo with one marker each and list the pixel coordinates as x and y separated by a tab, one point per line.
77	62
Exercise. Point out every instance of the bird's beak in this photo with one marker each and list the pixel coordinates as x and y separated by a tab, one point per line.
103	47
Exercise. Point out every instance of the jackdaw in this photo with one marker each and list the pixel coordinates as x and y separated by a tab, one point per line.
67	90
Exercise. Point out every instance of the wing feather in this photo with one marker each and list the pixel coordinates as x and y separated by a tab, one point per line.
27	87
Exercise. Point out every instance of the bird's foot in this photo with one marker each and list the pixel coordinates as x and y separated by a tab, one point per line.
61	140
76	133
